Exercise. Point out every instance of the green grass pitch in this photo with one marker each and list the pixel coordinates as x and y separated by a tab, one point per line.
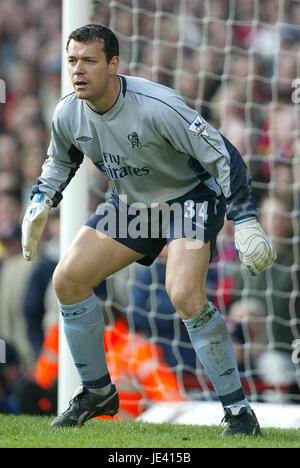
36	432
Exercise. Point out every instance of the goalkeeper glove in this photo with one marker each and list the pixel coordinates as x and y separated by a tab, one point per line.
255	250
33	224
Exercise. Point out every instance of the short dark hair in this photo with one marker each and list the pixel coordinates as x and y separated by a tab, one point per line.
97	32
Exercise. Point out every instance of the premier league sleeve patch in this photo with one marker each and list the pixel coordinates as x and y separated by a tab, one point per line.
198	127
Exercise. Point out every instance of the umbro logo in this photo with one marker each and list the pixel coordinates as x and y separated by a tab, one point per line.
73	314
79	365
84	138
227	372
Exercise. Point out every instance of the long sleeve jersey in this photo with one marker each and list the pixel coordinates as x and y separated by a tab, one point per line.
150	144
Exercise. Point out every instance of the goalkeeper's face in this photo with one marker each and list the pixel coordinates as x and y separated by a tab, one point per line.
92	77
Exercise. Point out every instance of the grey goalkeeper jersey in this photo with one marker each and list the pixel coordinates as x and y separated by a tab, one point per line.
150	144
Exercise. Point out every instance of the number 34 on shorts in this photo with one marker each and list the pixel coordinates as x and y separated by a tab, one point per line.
198	209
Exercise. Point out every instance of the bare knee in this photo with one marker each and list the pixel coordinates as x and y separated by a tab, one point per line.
188	299
69	283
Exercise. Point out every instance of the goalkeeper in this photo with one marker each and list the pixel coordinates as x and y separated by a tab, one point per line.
157	152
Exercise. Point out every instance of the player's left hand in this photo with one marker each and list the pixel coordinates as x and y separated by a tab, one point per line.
254	248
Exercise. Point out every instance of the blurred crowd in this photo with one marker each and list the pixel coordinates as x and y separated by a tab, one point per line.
233	61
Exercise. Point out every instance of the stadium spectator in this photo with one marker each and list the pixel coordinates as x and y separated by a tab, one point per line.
228	103
10	212
10	235
10	208
22	81
10	181
278	133
11	375
50	68
282	181
9	152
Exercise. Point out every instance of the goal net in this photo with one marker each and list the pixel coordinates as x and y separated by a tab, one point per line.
236	62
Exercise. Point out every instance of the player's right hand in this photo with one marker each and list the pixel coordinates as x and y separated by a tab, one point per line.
33	224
